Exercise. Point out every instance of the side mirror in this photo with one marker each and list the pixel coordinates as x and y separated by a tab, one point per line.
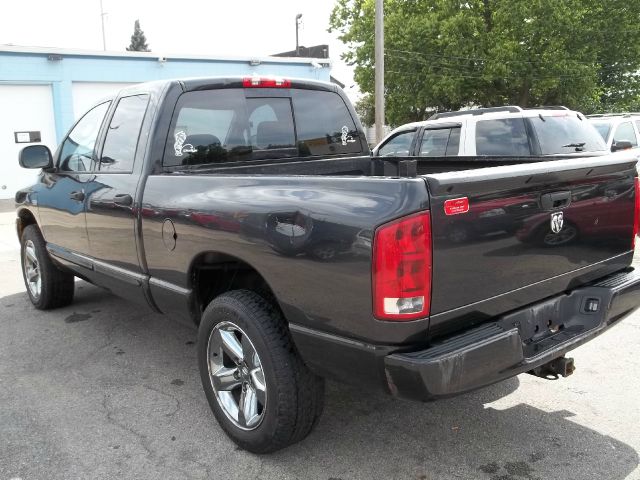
621	145
35	156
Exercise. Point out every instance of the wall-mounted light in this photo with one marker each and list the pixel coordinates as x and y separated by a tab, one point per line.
254	62
162	59
54	57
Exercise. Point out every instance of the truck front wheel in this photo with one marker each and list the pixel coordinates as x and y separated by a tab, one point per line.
47	286
258	388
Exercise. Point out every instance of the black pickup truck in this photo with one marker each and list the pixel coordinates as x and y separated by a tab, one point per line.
252	207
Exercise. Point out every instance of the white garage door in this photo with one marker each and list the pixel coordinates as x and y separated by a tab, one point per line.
23	108
87	94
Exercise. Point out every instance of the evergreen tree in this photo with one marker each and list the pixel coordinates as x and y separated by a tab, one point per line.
138	40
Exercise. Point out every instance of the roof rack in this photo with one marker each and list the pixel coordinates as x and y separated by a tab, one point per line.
548	107
604	115
476	111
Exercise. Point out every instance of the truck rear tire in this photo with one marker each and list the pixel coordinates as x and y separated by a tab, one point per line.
262	394
47	286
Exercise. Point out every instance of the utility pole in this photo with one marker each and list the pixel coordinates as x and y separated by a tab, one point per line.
298	17
379	67
104	39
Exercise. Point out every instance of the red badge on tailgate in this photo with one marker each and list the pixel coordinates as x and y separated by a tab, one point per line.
456	206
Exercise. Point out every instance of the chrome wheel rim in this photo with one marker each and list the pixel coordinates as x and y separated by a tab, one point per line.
31	268
236	375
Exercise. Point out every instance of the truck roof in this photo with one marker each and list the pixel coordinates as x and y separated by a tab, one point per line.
189	84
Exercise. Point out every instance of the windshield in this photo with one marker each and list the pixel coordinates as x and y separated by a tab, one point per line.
603	129
563	134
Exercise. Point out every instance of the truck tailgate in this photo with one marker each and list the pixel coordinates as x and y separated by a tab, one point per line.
529	231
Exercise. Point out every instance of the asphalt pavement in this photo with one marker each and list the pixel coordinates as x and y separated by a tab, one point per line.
106	389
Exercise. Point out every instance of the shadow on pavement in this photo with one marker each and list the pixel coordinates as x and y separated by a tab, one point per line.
104	389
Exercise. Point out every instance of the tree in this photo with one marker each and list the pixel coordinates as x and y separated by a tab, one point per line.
138	40
365	109
448	54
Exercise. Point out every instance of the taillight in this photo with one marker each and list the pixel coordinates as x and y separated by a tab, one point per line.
636	213
265	82
402	268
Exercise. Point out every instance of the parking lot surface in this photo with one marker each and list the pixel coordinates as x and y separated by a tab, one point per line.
106	389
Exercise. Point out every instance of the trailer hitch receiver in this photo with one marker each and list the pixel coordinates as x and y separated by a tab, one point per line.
559	367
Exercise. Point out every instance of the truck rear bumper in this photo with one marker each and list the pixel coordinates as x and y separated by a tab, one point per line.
515	343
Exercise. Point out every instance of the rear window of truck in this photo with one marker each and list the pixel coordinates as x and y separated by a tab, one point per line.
229	125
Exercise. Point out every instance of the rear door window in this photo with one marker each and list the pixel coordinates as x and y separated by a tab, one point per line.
398	146
440	142
120	144
625	131
324	124
502	137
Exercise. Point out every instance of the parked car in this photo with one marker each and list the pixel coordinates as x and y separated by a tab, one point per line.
620	131
496	131
251	207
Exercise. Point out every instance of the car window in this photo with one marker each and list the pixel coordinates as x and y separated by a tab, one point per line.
324	124
502	137
76	152
120	144
434	142
219	126
454	142
603	129
400	145
271	124
625	132
440	142
564	133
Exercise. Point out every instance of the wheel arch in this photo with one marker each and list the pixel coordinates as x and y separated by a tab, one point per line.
213	273
25	217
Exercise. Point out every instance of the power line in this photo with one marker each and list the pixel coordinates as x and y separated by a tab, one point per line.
484	59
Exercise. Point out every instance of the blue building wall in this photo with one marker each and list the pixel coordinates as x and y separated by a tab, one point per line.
20	67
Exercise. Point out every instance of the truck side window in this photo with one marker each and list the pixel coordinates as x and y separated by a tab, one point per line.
399	146
440	142
502	137
76	153
324	124
625	132
121	141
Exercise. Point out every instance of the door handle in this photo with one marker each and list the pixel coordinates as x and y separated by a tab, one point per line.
555	200
123	199
77	195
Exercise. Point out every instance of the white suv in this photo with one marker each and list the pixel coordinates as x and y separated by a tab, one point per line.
497	131
616	128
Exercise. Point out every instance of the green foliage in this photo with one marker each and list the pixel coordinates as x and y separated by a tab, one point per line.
366	110
446	54
138	40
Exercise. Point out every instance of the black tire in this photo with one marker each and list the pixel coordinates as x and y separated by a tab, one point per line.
56	286
294	395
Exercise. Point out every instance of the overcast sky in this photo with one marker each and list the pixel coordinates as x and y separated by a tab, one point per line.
214	27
